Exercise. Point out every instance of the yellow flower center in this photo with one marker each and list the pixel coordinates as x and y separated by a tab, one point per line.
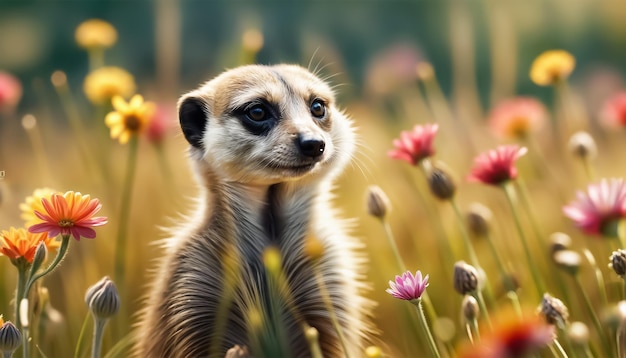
132	123
66	223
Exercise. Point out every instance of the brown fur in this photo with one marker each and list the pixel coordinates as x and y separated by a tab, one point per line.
254	195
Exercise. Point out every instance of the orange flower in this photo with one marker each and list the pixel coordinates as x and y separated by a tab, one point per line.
513	338
517	117
552	67
17	243
69	214
33	203
129	118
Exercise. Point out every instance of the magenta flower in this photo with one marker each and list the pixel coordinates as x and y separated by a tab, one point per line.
408	287
596	211
69	214
414	146
496	166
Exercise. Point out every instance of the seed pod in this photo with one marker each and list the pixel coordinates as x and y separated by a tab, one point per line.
618	262
102	299
470	309
441	183
377	202
465	278
554	311
479	219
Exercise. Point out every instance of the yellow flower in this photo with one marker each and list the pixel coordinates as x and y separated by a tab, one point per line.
129	118
33	203
21	243
102	84
95	33
551	67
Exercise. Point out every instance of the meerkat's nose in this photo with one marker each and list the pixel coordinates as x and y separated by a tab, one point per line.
310	147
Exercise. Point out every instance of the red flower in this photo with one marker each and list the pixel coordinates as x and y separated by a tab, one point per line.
69	214
602	205
516	117
496	166
614	111
512	338
415	146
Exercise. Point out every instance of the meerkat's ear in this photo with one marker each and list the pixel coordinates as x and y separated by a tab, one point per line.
193	114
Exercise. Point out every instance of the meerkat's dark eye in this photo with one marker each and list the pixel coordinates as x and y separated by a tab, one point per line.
257	113
318	109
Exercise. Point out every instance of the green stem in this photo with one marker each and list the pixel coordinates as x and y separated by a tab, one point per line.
473	257
559	349
517	307
394	246
466	240
331	311
483	307
120	245
312	336
21	286
77	349
431	341
97	337
25	342
599	276
594	317
509	190
166	170
65	243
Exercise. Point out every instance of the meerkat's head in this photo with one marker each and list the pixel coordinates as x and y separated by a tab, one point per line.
266	124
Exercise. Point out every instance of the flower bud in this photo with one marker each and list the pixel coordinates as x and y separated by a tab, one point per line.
441	183
102	299
478	219
618	262
568	261
465	278
10	337
559	241
582	145
377	202
40	256
470	309
553	311
424	71
578	333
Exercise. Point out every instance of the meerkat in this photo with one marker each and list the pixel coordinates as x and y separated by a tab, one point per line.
266	143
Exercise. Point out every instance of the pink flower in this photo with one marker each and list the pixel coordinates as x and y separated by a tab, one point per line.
160	124
408	287
496	166
415	146
69	214
596	210
10	92
516	117
614	111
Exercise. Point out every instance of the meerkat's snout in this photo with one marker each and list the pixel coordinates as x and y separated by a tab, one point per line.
310	147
